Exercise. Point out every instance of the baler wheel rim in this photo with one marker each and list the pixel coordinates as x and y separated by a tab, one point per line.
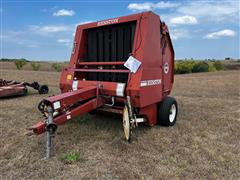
126	124
173	112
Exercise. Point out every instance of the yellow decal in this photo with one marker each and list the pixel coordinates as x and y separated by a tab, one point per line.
69	77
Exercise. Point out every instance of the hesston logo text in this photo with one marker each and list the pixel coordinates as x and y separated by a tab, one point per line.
110	21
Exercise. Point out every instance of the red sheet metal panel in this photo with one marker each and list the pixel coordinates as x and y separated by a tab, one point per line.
72	97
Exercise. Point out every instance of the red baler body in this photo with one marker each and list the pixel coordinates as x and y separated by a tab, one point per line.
96	72
147	48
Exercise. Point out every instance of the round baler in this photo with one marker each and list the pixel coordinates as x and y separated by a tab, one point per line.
122	65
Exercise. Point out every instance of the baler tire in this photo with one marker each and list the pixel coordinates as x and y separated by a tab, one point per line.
167	112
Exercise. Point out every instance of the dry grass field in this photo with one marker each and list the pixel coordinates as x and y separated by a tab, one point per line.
44	66
204	143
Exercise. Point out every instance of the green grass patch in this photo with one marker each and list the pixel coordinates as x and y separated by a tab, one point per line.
35	66
218	65
20	63
190	66
71	157
83	119
57	67
183	67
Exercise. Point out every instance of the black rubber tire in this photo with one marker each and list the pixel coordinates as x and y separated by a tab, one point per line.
41	106
43	89
164	111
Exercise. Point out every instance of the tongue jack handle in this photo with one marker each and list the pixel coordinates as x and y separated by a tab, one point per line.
51	127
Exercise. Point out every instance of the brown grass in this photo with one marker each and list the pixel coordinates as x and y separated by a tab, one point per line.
204	143
44	66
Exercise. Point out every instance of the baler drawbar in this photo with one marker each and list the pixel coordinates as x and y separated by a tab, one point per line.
122	65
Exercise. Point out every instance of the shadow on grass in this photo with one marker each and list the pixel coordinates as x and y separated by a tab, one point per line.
108	123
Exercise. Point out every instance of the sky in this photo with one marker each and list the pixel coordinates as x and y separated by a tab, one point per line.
44	30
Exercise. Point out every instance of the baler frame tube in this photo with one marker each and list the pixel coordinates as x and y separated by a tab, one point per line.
89	94
40	127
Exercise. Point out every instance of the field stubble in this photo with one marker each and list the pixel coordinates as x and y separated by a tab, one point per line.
203	143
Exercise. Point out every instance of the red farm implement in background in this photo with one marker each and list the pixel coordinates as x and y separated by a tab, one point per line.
14	88
122	65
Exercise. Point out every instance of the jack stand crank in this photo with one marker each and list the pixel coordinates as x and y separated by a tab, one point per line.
51	127
49	145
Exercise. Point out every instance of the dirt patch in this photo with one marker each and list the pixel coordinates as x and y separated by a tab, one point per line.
204	143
